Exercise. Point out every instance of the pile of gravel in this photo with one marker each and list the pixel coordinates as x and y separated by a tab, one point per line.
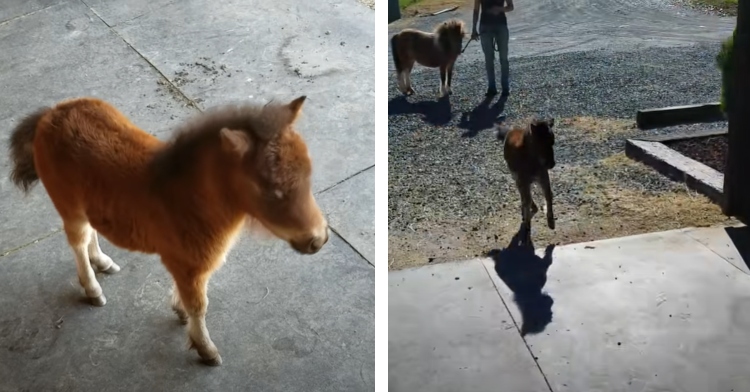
445	163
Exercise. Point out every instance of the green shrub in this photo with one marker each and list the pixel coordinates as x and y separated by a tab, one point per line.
725	62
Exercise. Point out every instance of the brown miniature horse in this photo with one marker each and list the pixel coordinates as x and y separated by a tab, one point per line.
529	153
185	200
440	49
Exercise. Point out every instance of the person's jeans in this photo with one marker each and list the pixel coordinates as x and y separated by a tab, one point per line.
489	36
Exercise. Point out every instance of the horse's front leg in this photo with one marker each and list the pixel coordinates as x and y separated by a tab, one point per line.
443	80
450	76
191	286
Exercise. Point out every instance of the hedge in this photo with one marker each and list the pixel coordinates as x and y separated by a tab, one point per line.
726	63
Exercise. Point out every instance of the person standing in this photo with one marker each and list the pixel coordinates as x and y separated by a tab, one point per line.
493	32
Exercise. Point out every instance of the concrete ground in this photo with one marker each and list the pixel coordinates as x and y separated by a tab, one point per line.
665	311
282	322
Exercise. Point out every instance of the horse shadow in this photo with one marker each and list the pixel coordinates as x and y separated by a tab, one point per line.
525	274
483	116
433	112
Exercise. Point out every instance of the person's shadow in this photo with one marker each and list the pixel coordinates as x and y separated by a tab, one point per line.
433	112
525	274
483	116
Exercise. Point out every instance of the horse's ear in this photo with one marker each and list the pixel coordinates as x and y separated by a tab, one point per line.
551	122
236	142
296	106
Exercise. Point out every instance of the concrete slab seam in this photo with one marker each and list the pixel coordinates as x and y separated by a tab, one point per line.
345	179
686	233
28	14
184	96
518	329
26	245
351	246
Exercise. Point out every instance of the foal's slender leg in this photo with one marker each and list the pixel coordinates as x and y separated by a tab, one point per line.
450	76
177	306
528	207
443	81
79	237
192	289
407	78
547	189
101	261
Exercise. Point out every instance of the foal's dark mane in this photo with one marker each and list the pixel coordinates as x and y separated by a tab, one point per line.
260	122
450	35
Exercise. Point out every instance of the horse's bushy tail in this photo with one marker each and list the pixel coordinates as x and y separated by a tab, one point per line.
21	145
394	50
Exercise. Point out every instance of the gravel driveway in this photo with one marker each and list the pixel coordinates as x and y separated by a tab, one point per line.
450	194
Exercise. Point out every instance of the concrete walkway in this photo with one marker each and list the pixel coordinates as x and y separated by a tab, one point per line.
282	322
657	312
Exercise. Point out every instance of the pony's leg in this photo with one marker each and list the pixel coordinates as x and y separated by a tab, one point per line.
101	261
407	78
400	82
450	77
177	306
547	190
79	237
443	81
192	288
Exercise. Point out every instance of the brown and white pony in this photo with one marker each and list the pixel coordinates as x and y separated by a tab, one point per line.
438	49
185	200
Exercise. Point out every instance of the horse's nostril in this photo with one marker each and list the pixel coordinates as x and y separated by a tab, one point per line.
316	244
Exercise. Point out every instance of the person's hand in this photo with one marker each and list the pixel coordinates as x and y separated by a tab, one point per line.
474	35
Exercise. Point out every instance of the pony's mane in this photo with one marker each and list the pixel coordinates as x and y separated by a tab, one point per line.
449	26
449	35
258	121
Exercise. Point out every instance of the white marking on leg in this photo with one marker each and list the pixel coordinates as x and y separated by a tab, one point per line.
79	237
101	261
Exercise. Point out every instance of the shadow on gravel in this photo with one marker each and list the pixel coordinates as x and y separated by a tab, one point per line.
433	112
740	237
482	117
525	274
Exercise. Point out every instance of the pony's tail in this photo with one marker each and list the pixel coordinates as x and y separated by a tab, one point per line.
396	59
23	173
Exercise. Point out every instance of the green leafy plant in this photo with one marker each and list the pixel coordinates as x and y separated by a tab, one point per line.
725	61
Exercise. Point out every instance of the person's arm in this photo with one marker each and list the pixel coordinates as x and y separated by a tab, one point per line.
475	18
508	6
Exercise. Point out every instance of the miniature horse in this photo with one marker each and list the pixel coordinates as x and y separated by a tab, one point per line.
185	200
529	153
440	49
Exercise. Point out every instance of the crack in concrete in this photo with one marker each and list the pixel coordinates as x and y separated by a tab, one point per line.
26	245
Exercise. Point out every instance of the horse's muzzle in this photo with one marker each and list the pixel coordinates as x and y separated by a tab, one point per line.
312	245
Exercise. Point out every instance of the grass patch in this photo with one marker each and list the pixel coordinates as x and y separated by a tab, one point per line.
405	3
420	7
728	7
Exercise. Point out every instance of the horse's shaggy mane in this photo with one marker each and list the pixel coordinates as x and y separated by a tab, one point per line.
450	35
260	122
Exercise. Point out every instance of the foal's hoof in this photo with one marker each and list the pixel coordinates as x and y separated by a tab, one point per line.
98	301
113	269
216	361
551	222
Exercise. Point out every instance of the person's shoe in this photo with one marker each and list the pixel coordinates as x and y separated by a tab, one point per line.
491	91
506	92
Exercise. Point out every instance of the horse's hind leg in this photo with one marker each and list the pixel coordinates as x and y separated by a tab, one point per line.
177	306
79	237
101	261
192	290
